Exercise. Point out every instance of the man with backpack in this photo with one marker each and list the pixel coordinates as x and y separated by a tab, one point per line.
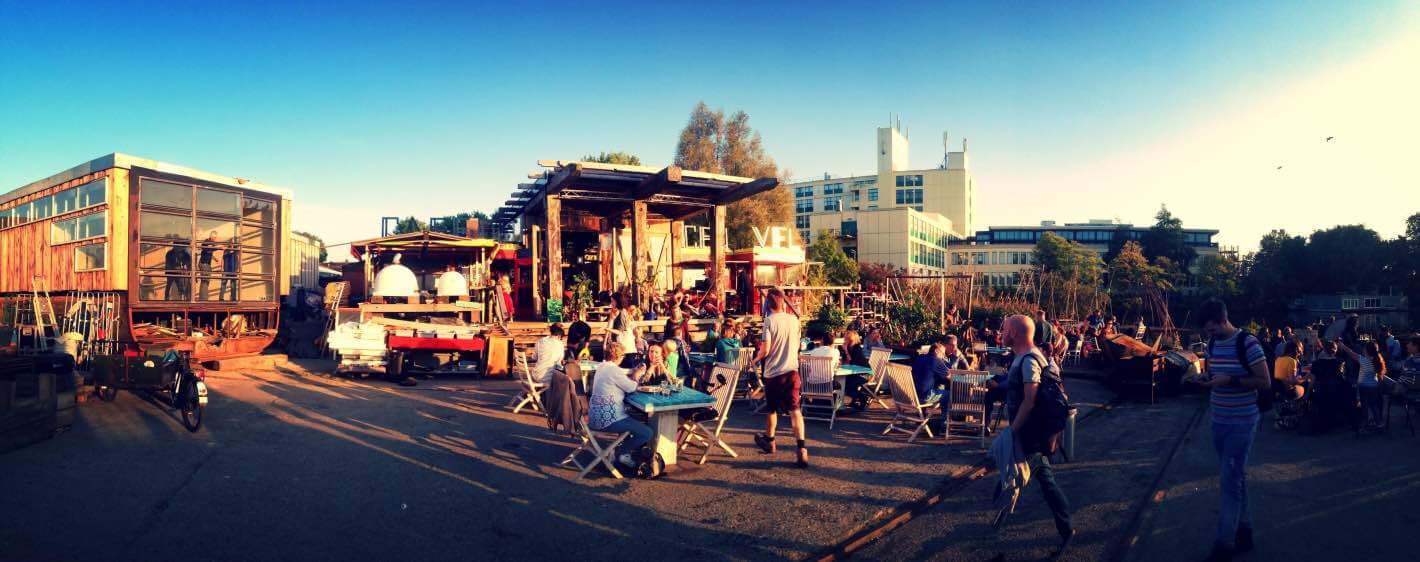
1237	371
1038	408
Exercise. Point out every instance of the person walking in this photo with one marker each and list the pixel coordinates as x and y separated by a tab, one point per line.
780	353
1237	369
1023	383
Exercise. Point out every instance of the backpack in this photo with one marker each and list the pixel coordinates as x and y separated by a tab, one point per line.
1041	434
649	464
1265	396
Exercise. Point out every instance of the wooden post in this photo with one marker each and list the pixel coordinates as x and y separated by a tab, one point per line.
970	292
554	248
640	251
718	244
536	289
676	241
942	303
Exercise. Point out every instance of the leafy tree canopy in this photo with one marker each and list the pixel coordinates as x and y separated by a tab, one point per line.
838	268
617	157
711	142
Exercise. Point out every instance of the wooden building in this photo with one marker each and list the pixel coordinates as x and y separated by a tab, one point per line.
169	251
598	216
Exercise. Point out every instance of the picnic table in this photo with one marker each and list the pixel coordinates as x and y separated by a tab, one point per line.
664	414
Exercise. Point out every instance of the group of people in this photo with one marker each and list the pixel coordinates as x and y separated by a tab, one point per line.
1338	380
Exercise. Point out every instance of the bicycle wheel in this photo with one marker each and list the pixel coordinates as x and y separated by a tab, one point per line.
191	407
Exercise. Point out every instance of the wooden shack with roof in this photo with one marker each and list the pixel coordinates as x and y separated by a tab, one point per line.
131	249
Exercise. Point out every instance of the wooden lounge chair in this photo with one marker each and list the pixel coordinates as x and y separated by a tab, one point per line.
706	433
819	386
530	394
878	360
967	411
909	415
604	455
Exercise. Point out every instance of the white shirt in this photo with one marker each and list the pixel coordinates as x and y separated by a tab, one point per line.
625	337
550	351
781	338
609	390
826	351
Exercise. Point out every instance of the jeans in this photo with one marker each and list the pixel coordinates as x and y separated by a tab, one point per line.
1042	472
640	434
1371	398
1233	441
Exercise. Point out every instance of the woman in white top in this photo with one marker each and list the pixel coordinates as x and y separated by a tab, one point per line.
619	330
1371	379
606	411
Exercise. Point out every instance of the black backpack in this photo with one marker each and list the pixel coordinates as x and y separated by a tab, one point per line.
1265	396
1051	411
649	464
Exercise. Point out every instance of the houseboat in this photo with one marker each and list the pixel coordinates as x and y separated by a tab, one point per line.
125	249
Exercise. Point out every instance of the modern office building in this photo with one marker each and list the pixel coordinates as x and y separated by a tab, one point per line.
899	216
1000	253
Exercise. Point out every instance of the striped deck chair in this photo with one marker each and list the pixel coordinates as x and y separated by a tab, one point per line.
909	415
967	412
706	433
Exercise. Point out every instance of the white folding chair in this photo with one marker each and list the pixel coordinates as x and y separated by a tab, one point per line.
696	433
530	393
818	386
604	455
967	411
909	415
878	360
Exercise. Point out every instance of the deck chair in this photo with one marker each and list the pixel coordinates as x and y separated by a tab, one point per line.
706	433
530	391
878	360
749	380
967	412
602	454
909	415
819	386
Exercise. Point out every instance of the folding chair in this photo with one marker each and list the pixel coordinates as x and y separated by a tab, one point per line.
696	433
968	402
819	385
909	415
604	455
878	360
530	394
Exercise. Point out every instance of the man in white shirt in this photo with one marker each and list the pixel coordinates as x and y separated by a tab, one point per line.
780	352
550	350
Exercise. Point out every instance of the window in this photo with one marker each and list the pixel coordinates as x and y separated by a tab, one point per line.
1371	302
66	201
166	226
833	204
804	191
1347	304
91	257
804	206
22	214
909	181
217	202
849	228
873	194
83	227
200	244
92	193
909	197
801	222
857	196
832	188
163	194
42	208
5	216
258	210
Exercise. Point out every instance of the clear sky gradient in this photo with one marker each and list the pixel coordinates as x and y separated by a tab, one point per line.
1072	111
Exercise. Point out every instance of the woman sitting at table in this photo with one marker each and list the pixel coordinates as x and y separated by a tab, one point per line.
606	410
657	370
854	353
727	348
1286	371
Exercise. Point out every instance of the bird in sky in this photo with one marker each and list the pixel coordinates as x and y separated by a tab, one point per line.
1279	167
1328	139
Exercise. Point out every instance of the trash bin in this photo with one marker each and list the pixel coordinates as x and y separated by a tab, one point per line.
1068	447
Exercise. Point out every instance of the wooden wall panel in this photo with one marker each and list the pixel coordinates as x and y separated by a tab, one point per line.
25	250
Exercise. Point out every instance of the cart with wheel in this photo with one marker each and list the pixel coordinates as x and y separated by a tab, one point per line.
163	371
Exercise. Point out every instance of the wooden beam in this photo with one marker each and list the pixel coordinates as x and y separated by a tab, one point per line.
640	250
747	190
718	244
562	177
554	247
677	240
606	256
533	246
657	183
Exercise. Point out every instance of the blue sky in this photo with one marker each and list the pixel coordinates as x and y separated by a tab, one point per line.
438	107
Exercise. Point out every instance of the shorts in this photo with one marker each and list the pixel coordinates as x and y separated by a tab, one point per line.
782	392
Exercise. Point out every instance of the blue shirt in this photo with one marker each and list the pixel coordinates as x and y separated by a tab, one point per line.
1233	404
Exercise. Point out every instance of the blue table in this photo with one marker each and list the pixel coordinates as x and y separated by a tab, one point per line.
899	357
664	412
702	358
850	370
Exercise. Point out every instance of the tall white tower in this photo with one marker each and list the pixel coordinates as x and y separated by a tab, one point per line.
892	149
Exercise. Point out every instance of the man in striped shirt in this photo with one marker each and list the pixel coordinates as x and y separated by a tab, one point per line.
1234	381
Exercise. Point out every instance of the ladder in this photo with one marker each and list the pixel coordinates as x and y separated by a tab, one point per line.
335	294
41	316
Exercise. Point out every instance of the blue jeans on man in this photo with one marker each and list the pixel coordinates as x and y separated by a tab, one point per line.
1233	442
640	434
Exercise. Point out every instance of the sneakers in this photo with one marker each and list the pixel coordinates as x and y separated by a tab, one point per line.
765	443
625	459
1243	542
803	460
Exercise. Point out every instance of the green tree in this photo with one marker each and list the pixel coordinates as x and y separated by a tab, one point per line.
838	268
1273	276
617	157
873	274
457	224
1165	239
1068	259
1345	258
1133	279
410	224
1218	276
710	142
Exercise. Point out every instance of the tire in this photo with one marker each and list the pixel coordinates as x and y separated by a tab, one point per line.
106	393
189	407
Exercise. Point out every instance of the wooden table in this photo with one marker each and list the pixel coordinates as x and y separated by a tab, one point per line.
664	412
